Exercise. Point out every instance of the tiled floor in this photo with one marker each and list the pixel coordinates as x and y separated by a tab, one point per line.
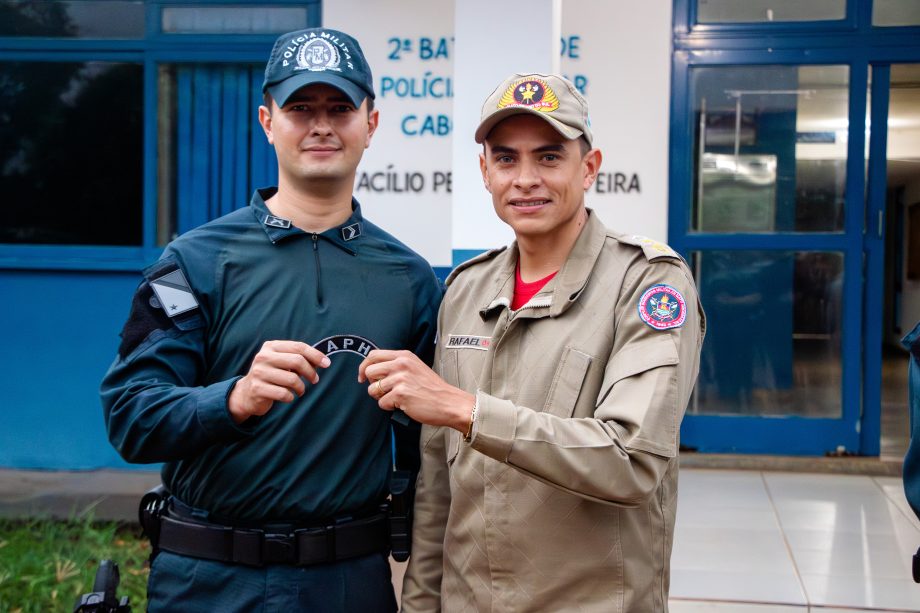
747	541
770	542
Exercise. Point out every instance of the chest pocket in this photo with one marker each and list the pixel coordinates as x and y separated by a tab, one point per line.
567	382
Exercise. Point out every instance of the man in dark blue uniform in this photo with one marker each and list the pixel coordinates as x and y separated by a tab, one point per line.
912	459
238	366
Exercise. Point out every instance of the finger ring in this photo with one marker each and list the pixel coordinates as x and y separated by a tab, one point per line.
379	388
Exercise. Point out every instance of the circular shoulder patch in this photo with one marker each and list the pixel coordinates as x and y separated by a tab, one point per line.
662	307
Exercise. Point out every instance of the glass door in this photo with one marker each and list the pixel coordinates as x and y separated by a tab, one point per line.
773	230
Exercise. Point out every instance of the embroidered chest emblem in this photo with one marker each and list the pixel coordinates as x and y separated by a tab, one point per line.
662	307
462	341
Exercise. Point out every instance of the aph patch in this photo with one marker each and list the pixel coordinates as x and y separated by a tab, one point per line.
662	307
173	293
462	341
345	342
532	93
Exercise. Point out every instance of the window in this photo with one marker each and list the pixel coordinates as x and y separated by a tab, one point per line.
233	19
70	152
72	18
895	13
763	11
789	366
771	147
126	122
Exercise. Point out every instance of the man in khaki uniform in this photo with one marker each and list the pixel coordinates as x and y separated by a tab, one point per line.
564	366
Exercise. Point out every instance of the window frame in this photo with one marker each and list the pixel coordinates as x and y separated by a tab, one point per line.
689	34
154	49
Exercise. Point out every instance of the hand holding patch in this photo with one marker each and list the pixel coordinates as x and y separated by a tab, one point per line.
276	375
400	380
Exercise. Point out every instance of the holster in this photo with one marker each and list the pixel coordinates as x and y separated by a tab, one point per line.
151	508
402	499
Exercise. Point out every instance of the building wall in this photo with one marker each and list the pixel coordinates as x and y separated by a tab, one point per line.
617	54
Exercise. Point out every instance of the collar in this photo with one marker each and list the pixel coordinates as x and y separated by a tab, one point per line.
563	289
346	236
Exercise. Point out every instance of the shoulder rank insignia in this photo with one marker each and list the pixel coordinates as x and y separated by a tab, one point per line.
662	307
277	222
653	248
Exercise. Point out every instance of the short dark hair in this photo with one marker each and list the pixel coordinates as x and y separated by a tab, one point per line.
267	101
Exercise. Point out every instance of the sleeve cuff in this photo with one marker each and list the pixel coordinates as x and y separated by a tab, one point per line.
215	417
493	430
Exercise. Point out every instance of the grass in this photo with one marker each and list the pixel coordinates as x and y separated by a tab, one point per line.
45	565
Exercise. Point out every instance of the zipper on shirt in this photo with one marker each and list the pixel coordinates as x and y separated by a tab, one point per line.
319	274
513	314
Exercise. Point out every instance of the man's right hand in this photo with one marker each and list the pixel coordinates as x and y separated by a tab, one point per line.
277	374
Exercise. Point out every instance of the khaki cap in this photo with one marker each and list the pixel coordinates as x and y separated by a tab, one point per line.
550	97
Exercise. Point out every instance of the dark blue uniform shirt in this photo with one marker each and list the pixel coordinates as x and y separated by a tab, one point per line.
247	278
912	459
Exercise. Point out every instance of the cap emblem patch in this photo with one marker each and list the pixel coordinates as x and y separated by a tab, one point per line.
530	93
662	307
318	54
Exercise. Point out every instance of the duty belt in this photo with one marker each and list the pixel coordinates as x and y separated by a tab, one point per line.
257	547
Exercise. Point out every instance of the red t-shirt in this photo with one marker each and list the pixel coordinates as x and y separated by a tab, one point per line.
523	292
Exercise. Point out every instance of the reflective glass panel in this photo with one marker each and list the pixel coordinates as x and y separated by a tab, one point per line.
895	13
72	18
71	153
904	131
234	19
770	148
773	333
754	11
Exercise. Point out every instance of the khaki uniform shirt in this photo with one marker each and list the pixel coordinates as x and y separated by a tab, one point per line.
565	497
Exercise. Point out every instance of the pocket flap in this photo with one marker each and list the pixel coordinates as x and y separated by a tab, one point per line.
641	357
566	386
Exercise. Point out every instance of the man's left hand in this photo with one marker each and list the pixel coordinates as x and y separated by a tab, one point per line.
400	380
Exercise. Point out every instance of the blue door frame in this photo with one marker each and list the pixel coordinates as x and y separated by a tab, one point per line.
852	42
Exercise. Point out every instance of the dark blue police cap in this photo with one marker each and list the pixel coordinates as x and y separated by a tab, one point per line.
317	55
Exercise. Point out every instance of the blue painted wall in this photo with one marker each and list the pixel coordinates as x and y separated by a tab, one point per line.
60	333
